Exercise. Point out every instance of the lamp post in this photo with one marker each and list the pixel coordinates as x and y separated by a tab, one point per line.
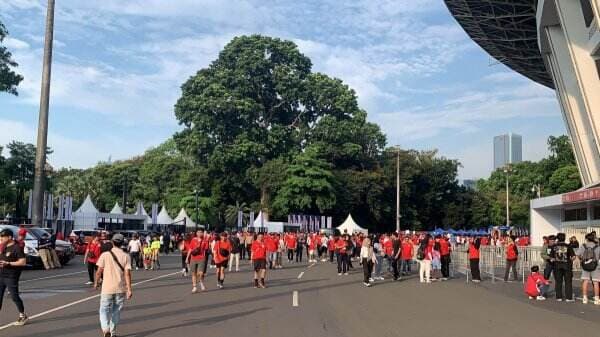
196	195
37	216
398	189
507	170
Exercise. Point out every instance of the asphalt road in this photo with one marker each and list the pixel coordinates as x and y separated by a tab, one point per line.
327	305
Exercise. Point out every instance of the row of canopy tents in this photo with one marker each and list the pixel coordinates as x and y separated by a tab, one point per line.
87	216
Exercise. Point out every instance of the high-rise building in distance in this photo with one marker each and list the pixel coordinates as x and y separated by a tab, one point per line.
507	150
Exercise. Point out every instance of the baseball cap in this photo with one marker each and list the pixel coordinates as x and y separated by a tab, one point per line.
118	237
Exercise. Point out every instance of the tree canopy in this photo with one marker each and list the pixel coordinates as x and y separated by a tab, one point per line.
9	79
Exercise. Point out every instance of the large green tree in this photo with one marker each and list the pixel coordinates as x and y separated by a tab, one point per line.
9	79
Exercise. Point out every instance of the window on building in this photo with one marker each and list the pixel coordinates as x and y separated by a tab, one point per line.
577	214
596	213
588	12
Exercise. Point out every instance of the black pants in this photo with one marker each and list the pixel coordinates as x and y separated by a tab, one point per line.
331	255
475	274
395	271
91	268
343	263
563	274
13	287
248	249
445	259
291	255
510	264
184	261
243	252
367	269
548	270
299	254
135	259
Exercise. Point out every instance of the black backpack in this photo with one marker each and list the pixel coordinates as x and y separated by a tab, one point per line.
589	260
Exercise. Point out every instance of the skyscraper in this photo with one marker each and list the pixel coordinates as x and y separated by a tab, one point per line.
507	150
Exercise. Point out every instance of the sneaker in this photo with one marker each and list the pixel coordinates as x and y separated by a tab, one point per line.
367	284
596	300
531	297
540	298
339	274
345	273
21	320
476	281
371	279
444	279
89	283
107	334
570	300
202	287
584	300
261	285
194	290
559	299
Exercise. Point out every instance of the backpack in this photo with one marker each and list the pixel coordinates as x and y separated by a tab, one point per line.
589	261
421	253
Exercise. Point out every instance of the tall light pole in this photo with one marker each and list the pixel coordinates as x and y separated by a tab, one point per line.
398	189
37	216
507	171
196	195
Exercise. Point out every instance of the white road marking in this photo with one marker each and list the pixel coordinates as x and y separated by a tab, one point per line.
295	298
53	276
312	265
300	276
85	300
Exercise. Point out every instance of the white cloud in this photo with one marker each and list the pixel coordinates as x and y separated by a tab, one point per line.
13	43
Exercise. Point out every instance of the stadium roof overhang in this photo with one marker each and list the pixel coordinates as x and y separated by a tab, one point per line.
507	30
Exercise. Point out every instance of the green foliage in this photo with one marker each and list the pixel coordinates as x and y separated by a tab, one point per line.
9	79
565	179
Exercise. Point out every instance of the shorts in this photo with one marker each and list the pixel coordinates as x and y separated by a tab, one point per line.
260	264
223	264
591	275
199	265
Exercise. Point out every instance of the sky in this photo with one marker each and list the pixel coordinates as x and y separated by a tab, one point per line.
118	67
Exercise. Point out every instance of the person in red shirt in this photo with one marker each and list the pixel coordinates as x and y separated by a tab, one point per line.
406	255
290	243
92	253
21	238
445	251
259	259
331	248
311	248
221	254
474	259
341	249
512	255
536	285
196	259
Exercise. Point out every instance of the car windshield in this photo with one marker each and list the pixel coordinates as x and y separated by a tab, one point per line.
15	231
38	232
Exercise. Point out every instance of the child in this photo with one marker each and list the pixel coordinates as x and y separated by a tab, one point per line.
147	256
436	262
536	285
155	250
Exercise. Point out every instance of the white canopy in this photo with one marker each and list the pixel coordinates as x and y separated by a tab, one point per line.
350	227
180	219
141	211
261	220
163	217
86	216
116	209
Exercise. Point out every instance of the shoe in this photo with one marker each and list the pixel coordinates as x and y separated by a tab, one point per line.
339	274
261	285
559	299
570	300
531	297
107	334
371	279
202	287
89	283
137	268
345	273
476	281
367	284
540	298
21	320
194	290
596	300
444	279
584	300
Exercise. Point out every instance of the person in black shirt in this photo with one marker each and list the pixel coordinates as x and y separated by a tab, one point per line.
395	258
563	254
12	260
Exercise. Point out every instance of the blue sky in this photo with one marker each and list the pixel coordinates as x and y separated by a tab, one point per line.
118	66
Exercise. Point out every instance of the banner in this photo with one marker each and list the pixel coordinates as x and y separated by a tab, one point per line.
251	219
154	213
240	219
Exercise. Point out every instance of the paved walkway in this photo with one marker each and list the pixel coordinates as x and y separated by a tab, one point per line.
327	305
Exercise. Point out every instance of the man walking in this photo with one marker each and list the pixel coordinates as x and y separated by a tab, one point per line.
135	247
114	267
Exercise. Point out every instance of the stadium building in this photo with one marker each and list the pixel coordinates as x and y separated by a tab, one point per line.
557	44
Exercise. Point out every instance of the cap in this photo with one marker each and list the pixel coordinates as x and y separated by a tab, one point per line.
118	237
22	232
6	232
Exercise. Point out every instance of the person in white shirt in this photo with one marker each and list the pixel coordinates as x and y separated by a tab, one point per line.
135	247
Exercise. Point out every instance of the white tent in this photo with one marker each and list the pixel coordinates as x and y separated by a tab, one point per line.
179	220
163	217
141	211
116	209
86	216
350	227
261	220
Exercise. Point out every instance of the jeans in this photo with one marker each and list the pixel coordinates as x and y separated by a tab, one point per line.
378	266
110	311
272	259
543	289
12	284
563	274
406	266
548	270
298	254
395	272
342	263
135	259
510	264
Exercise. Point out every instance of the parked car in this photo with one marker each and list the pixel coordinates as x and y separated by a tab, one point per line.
64	249
31	253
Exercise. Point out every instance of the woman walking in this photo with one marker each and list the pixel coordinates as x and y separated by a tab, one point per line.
92	253
425	256
259	260
184	248
474	259
368	259
221	254
12	260
512	254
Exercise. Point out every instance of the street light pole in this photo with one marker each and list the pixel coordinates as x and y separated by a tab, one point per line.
196	194
507	170
37	216
398	190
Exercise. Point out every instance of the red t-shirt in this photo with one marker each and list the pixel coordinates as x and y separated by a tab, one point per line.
291	242
198	243
331	245
531	285
221	245
340	245
388	247
93	252
444	248
407	249
473	251
259	251
270	243
511	253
